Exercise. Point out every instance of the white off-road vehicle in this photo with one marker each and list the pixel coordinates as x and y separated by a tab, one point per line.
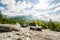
38	28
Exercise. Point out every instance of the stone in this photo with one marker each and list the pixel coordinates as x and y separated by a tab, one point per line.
8	28
28	35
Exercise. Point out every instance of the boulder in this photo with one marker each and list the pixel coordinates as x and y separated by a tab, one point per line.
7	28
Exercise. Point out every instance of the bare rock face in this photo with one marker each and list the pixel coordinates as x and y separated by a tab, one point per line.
8	28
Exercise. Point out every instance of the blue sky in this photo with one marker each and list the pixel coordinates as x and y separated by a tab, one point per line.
41	9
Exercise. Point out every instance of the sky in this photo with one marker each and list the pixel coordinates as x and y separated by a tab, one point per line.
40	9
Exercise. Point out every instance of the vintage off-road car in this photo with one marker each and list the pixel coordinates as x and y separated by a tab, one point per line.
38	28
35	27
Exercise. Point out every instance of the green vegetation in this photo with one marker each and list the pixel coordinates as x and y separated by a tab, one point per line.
4	20
46	25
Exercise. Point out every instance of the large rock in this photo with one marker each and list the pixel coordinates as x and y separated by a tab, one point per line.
5	29
8	28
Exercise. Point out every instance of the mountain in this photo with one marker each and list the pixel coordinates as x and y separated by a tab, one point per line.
28	17
23	18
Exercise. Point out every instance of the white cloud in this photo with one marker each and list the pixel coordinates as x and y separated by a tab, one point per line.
55	17
11	4
56	9
5	1
21	6
15	7
1	8
52	6
42	4
19	9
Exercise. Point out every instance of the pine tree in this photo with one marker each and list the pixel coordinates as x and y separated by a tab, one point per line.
51	24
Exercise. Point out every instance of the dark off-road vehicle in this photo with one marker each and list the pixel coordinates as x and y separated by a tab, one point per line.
24	25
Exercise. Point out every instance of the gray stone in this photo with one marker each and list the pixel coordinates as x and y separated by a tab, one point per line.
8	28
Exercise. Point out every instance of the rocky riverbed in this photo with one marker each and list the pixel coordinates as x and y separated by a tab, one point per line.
27	34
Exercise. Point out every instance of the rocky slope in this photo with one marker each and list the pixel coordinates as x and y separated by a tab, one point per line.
27	34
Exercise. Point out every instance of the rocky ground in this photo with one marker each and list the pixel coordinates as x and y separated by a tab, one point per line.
27	34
